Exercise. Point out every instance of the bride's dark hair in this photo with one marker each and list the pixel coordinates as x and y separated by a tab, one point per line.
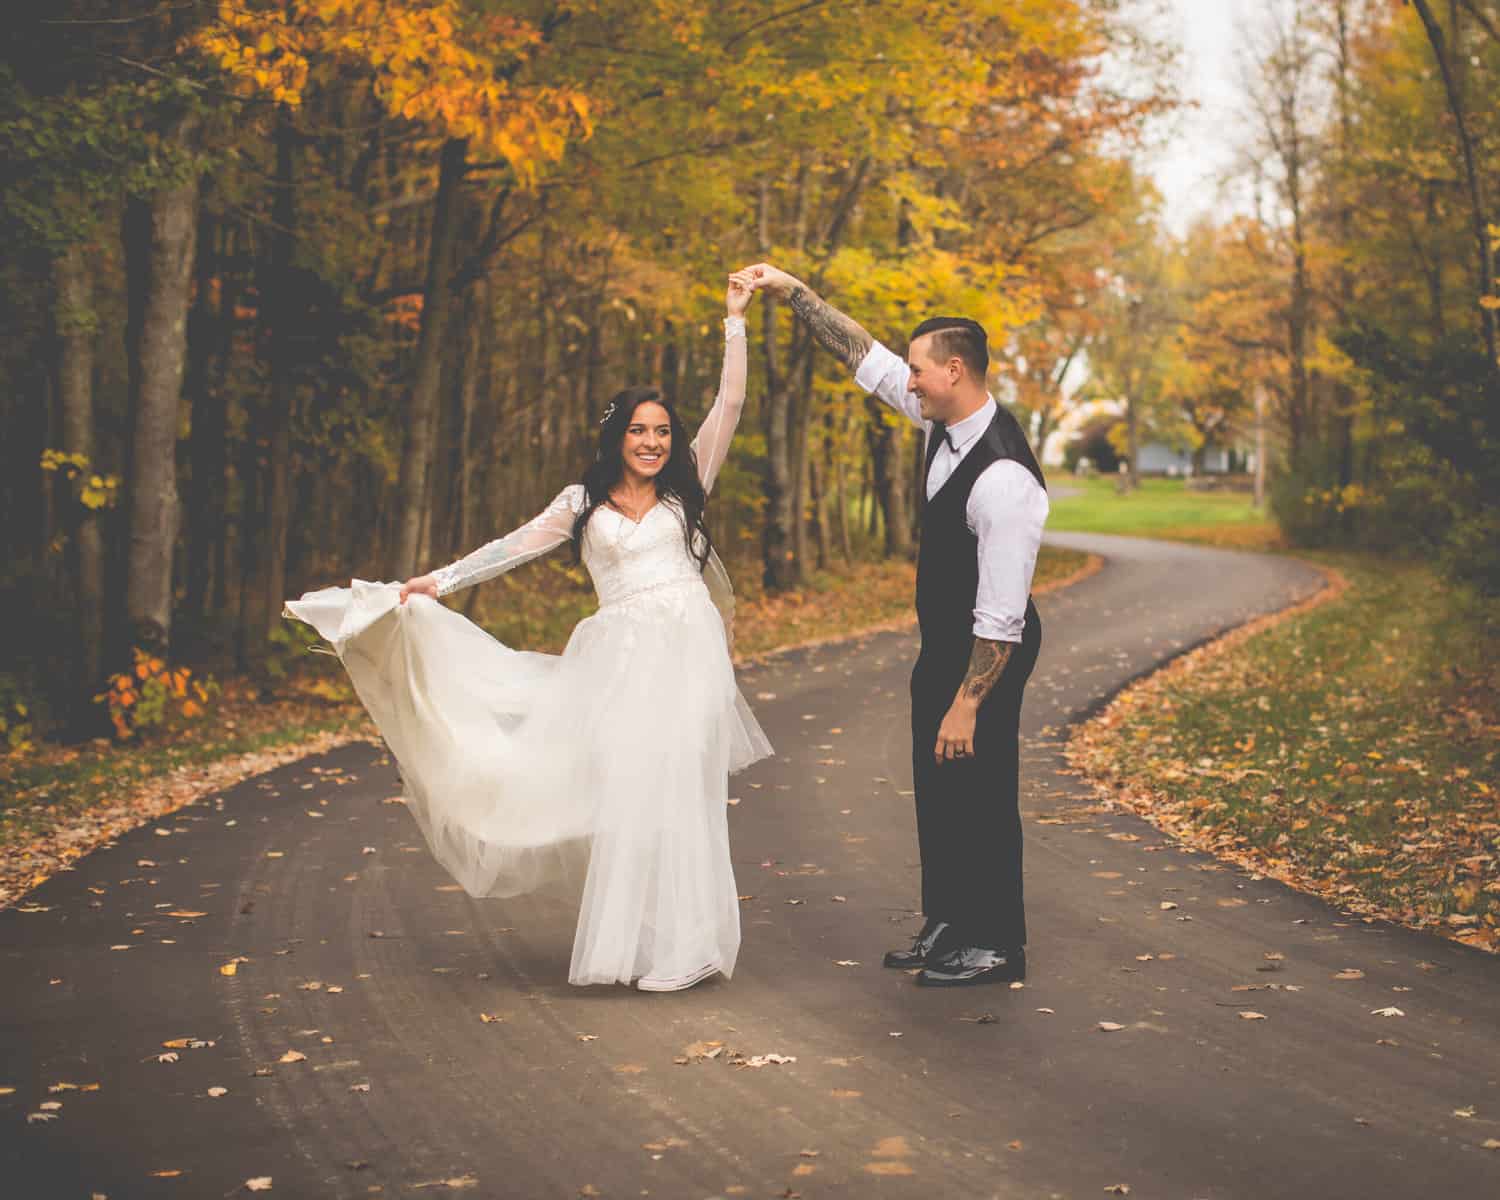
677	479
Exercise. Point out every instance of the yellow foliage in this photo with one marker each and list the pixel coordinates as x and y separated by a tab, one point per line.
431	60
1328	360
57	460
95	491
898	292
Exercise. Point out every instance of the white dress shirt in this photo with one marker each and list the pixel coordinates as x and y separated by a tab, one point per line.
1006	510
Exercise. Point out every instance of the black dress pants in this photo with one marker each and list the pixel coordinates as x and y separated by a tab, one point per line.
968	814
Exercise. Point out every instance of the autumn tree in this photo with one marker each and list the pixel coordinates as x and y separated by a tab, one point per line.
414	247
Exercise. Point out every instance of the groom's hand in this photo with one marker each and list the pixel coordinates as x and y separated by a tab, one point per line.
955	737
986	664
765	277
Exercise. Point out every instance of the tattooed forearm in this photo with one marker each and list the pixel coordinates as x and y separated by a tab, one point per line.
841	336
985	667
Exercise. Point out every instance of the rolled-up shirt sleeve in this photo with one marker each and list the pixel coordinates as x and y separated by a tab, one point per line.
885	373
1006	511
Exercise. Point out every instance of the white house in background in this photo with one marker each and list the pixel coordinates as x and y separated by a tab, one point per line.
1156	458
1078	417
1159	459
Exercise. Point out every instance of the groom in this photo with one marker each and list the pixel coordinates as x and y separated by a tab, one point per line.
986	503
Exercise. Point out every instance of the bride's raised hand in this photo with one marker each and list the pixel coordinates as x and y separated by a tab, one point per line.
737	298
426	585
760	276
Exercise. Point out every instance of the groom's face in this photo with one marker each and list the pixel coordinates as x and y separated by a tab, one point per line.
932	381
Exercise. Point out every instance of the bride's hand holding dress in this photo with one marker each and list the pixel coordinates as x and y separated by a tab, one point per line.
425	585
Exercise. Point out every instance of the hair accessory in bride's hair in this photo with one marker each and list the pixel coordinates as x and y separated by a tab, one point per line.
608	412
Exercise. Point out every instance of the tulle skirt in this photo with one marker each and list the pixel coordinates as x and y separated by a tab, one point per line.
609	761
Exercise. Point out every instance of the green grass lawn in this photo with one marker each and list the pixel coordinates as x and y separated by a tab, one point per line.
1352	750
1160	508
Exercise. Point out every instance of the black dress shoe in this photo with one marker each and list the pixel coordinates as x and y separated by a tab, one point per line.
921	947
973	964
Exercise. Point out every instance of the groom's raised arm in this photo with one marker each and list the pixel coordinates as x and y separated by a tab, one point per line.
842	336
875	367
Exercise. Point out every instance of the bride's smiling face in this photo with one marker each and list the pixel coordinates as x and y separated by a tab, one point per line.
648	440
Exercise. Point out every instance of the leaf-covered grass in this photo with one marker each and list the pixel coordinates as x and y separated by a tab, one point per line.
1162	508
59	802
1352	749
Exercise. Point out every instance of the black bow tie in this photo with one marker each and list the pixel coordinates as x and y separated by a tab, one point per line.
948	437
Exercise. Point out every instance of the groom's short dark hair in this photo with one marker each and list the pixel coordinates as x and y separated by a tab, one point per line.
960	338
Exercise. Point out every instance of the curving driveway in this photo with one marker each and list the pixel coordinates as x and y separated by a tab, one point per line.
369	965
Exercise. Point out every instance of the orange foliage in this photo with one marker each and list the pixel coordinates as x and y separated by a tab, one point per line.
430	60
141	697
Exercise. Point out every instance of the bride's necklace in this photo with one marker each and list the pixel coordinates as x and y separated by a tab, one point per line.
636	515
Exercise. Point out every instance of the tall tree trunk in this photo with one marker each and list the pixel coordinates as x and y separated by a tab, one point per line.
1433	263
159	356
206	445
279	298
543	457
776	533
869	506
1344	399
671	365
817	485
799	420
818	475
498	440
413	485
229	294
1298	314
787	415
1457	108
1132	478
249	542
778	549
77	327
886	465
474	363
1259	498
593	401
912	481
840	484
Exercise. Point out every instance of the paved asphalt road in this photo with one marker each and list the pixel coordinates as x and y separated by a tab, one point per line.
358	954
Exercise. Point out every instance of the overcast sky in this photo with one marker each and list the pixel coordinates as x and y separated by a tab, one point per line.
1187	168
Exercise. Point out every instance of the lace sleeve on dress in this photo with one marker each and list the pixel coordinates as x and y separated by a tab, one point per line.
549	528
711	446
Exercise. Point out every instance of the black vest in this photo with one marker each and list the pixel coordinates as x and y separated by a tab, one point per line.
948	562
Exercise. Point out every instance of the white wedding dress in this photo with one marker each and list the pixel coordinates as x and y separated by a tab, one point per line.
611	759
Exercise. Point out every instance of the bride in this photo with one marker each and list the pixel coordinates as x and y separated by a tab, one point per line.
612	758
